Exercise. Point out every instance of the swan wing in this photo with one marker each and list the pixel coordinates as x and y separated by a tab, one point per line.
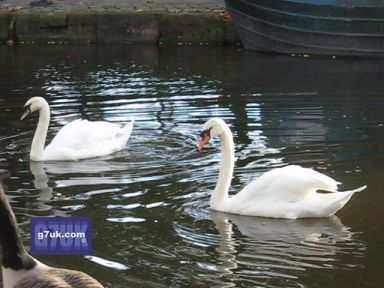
290	192
290	183
81	139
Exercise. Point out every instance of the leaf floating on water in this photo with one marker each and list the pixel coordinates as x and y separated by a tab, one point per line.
107	263
126	219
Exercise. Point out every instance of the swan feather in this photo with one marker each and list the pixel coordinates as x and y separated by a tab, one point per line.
82	139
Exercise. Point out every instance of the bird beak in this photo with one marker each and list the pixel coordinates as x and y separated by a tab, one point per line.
203	140
26	112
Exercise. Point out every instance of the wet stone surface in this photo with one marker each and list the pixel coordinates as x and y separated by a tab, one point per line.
121	5
153	22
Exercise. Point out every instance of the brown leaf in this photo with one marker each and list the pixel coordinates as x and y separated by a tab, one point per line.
224	16
16	8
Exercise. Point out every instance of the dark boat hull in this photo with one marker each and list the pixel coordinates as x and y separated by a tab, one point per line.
326	27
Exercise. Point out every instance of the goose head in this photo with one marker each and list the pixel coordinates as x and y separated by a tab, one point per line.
32	105
212	128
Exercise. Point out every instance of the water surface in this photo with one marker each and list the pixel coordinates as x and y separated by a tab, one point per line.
152	224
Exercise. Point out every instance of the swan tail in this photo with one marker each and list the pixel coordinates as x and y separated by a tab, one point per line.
355	190
127	130
336	201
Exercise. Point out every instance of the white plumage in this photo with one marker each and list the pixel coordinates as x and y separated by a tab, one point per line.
81	139
289	192
78	139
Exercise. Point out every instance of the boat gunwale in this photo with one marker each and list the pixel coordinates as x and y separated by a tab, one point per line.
307	31
311	46
331	18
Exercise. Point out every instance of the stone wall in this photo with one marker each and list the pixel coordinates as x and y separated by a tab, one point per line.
117	27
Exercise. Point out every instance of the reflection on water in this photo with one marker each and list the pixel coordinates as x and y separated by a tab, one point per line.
282	245
149	203
257	250
41	184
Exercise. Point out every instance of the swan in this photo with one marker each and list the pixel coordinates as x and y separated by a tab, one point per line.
77	140
289	192
21	270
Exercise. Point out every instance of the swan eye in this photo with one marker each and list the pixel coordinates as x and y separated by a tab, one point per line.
206	133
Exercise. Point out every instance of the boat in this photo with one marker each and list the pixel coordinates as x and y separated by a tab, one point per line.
323	27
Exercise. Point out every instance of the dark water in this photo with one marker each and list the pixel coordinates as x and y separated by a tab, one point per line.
151	222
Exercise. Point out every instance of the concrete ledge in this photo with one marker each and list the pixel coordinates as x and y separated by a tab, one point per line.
82	27
192	28
117	27
56	27
127	27
4	26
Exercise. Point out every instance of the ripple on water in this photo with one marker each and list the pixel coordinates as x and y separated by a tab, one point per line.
150	202
254	249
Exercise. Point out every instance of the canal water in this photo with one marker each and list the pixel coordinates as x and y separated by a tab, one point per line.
152	226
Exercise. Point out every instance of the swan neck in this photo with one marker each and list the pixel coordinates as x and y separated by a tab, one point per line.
40	134
220	193
14	254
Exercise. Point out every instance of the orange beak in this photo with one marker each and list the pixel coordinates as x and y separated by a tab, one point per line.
204	140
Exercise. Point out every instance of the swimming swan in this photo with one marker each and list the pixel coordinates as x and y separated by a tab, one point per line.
288	192
21	270
77	140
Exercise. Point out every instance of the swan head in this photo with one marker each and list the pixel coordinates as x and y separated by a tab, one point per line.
212	128
32	105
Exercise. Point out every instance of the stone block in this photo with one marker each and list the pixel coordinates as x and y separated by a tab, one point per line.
231	35
56	27
204	27
82	27
28	27
4	26
54	21
127	27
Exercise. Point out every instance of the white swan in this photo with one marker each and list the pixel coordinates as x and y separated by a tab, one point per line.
21	270
77	140
289	192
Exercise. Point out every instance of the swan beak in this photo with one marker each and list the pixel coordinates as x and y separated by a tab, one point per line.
203	140
26	112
